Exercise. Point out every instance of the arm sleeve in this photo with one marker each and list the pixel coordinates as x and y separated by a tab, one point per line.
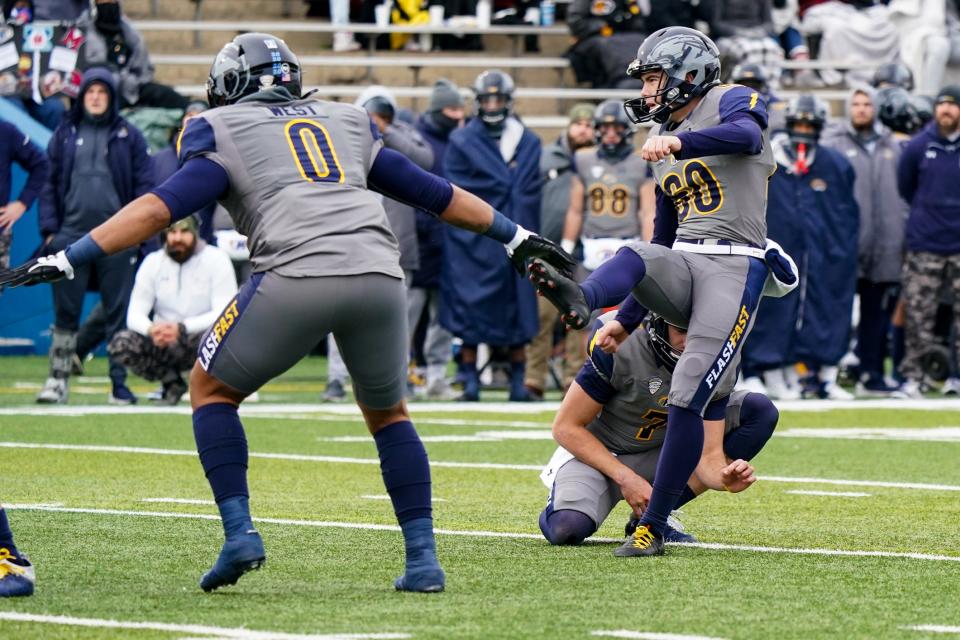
34	162
142	297
631	313
596	374
665	221
223	287
743	117
196	184
907	172
396	177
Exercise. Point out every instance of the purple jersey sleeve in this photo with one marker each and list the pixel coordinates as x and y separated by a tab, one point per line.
597	371
743	117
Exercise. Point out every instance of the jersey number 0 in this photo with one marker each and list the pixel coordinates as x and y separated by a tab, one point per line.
313	151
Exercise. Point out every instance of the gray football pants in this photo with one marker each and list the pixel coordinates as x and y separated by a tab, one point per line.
715	297
275	321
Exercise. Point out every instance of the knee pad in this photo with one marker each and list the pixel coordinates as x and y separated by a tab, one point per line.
566	527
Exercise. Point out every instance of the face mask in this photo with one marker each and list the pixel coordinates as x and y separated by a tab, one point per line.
443	121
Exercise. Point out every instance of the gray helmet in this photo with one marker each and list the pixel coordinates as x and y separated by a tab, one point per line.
806	107
250	63
678	52
752	75
612	112
893	74
494	82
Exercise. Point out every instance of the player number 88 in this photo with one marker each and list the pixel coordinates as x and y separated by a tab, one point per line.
611	201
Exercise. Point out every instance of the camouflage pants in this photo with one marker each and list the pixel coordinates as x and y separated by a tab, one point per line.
139	354
924	277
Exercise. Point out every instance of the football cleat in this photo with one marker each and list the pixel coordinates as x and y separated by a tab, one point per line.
565	294
238	556
16	580
426	580
54	392
334	392
643	542
673	532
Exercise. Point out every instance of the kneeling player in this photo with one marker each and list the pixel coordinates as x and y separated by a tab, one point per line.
611	427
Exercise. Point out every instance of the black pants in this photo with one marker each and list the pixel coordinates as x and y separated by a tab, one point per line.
114	279
877	302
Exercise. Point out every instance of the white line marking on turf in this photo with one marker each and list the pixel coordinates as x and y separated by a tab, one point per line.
931	434
648	635
178	500
203	630
483	534
386	497
480	436
452	465
836	494
934	628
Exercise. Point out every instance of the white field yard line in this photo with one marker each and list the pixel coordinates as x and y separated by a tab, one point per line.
934	628
483	534
178	501
452	465
417	408
835	494
386	497
202	630
648	635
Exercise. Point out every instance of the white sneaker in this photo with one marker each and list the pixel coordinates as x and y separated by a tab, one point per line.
951	387
777	387
912	389
343	42
836	392
54	392
441	390
753	384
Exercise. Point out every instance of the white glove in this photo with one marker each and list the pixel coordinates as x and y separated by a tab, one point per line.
779	281
58	261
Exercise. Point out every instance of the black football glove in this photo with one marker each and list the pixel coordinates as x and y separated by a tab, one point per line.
38	271
538	247
562	291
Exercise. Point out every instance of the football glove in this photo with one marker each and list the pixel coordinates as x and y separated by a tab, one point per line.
38	271
537	247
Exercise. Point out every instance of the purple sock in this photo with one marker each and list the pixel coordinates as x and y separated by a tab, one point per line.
405	469
613	280
6	535
758	419
678	460
222	445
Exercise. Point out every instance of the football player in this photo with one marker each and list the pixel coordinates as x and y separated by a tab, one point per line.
711	159
299	177
605	211
610	428
16	572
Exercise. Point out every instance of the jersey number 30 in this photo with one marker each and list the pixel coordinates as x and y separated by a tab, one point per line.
313	151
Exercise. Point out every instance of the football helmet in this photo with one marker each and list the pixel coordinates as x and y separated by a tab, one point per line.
660	341
612	112
902	112
751	75
494	83
805	108
893	74
250	63
690	62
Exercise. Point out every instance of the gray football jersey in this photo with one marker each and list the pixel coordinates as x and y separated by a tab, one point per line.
634	419
298	185
723	196
610	192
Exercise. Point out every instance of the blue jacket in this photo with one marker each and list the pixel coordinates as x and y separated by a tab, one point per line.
429	227
815	218
127	157
16	147
482	297
927	178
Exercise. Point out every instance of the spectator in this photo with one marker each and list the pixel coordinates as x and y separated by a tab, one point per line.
557	172
924	45
812	328
340	15
59	10
443	116
743	31
113	42
16	147
927	179
98	163
49	111
873	151
482	298
850	32
178	293
404	138
607	36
